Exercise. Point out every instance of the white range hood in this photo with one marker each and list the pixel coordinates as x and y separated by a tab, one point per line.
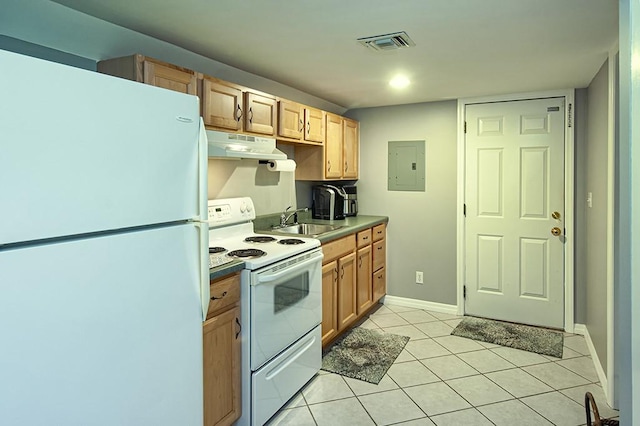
234	145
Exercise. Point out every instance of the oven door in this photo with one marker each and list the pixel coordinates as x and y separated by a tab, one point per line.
286	302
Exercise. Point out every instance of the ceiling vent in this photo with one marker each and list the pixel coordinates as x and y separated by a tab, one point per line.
399	40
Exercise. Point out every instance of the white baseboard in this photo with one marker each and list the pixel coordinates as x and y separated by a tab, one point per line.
421	304
584	331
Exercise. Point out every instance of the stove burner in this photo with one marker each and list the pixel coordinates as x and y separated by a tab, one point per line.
291	241
259	239
244	253
216	250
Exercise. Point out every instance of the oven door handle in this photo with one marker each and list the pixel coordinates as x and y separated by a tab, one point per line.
272	277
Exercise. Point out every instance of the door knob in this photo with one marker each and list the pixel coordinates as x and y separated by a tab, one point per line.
556	231
555	215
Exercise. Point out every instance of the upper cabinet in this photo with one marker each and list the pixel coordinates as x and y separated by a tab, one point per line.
314	125
221	104
350	148
337	159
300	124
152	71
229	107
326	144
333	147
290	120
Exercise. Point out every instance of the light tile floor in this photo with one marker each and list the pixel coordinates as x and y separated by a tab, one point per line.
442	380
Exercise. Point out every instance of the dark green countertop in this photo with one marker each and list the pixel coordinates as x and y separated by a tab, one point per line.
226	269
263	225
349	225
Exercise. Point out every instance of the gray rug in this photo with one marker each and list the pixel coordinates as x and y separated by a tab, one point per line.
363	354
518	336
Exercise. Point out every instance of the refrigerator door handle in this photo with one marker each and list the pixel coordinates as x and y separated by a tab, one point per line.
201	222
203	232
203	163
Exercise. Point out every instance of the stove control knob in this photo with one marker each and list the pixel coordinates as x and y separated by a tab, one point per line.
249	207
243	207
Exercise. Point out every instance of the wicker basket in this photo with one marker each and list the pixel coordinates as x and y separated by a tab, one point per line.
590	404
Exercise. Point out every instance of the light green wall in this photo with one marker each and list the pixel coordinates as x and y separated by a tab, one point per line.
422	225
595	261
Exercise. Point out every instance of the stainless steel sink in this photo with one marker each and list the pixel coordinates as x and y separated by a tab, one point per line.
311	229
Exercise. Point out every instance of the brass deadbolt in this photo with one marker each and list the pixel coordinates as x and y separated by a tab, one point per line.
555	215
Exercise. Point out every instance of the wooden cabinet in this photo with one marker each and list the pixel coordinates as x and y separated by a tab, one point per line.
230	107
290	120
151	71
314	125
353	279
379	260
338	159
221	104
363	276
221	353
347	305
300	124
260	113
339	308
333	147
329	301
350	148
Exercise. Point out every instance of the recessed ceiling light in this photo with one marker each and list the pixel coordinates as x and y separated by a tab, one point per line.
399	82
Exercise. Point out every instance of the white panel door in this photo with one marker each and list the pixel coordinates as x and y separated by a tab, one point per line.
514	196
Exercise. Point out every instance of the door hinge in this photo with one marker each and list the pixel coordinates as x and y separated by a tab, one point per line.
464	210
569	116
465	127
464	291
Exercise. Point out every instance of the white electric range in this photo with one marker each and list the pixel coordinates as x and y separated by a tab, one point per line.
281	306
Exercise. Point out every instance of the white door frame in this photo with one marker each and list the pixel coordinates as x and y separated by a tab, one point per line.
569	96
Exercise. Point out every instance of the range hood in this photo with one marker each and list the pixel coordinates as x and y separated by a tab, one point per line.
233	145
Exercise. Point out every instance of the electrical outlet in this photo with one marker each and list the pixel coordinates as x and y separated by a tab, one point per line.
419	277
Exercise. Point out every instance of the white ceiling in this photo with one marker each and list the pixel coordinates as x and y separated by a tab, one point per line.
464	48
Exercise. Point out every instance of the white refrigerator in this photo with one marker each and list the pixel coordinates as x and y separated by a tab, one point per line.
103	251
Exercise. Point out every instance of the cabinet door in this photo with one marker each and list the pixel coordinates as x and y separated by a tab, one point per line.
333	147
290	119
364	286
260	114
221	105
221	381
314	125
347	304
168	77
379	254
379	284
350	149
329	301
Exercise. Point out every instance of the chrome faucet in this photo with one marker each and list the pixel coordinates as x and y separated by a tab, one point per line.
284	217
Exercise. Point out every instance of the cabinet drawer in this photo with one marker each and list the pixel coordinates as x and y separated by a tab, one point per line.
379	284
379	232
223	293
379	254
364	238
337	248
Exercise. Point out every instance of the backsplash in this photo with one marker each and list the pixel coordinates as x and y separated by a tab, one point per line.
271	192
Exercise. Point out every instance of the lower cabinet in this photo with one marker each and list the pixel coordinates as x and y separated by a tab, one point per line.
221	354
347	308
353	279
338	287
329	301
